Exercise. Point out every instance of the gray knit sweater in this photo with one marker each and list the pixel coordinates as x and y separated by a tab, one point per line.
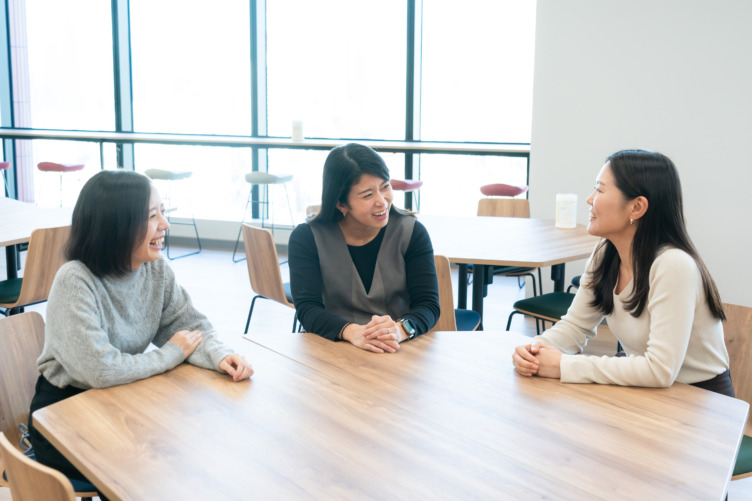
98	329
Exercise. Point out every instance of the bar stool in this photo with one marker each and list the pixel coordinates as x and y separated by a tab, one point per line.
263	179
169	177
60	169
4	167
408	186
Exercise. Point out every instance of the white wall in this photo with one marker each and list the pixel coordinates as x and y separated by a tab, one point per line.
673	76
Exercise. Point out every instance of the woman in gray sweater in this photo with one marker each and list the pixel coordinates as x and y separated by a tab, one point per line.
114	297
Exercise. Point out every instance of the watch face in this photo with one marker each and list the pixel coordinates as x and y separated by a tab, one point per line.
409	328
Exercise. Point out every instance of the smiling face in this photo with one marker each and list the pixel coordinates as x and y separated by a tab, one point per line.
610	211
150	248
368	202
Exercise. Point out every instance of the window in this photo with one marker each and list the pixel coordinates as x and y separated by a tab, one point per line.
478	71
337	65
191	66
70	65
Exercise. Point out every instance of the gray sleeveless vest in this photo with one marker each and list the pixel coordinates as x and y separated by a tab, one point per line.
344	293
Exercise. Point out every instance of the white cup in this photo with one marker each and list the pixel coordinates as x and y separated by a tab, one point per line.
297	130
566	210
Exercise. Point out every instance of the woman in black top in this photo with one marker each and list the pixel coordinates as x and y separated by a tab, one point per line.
362	270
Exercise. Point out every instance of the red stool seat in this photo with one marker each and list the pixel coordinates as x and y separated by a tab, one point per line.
502	190
55	167
4	165
406	185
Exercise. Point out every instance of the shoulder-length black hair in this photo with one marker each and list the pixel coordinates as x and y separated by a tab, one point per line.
110	217
343	168
653	176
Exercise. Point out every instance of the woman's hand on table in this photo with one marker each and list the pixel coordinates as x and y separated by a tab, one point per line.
236	366
187	340
384	329
538	359
380	341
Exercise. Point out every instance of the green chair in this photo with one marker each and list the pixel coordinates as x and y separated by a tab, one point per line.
451	318
548	307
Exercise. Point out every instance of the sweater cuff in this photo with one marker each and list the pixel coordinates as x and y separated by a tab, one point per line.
174	354
568	367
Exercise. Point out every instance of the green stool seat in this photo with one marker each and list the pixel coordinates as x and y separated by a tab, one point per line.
10	290
744	458
547	307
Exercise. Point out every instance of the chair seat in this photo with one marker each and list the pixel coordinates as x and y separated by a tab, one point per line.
502	190
56	167
553	305
10	290
744	458
467	320
266	178
4	165
167	175
406	185
79	486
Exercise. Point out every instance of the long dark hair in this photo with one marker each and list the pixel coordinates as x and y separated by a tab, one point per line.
653	176
110	217
343	168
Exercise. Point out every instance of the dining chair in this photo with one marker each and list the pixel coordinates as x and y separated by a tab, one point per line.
311	211
44	257
737	331
21	342
266	180
170	177
549	307
263	270
451	318
31	481
509	207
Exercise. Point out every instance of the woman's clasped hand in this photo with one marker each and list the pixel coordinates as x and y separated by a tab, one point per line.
537	359
380	335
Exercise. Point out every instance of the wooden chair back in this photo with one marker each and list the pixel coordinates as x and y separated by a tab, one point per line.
737	331
31	481
21	342
504	207
263	264
447	320
44	258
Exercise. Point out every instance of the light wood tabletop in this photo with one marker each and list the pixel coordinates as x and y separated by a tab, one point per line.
505	241
19	219
444	418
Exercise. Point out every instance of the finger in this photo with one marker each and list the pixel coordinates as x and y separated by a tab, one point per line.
371	347
523	353
384	345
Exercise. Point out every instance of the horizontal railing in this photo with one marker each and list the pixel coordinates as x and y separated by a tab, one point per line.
461	148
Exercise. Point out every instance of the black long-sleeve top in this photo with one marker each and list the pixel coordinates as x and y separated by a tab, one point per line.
306	281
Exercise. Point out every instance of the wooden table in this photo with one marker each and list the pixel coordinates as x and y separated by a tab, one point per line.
505	241
445	418
19	219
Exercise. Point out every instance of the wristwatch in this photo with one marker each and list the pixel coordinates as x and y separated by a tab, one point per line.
408	327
